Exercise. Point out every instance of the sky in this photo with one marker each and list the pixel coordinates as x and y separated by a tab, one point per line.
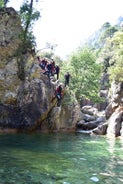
68	22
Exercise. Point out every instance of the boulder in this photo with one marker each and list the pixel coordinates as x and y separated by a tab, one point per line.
115	123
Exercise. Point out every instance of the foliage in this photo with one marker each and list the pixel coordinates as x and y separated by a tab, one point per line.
47	51
108	31
28	16
85	74
105	57
111	57
116	70
3	3
57	59
48	55
98	39
50	45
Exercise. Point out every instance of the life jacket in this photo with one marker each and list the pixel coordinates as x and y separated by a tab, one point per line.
59	92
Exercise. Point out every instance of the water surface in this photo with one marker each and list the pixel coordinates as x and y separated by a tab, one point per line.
60	159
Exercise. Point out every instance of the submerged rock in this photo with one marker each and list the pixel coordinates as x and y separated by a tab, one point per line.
95	179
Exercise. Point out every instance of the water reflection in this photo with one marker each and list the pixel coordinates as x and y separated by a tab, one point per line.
113	168
111	145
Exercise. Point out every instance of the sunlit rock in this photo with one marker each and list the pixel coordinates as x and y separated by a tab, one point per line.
115	123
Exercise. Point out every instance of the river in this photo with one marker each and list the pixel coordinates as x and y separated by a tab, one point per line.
60	158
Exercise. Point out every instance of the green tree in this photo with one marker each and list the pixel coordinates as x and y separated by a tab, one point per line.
105	57
85	74
28	16
108	31
3	3
116	69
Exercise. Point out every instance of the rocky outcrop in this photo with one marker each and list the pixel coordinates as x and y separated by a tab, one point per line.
115	123
28	104
113	126
33	103
113	106
114	111
91	119
10	30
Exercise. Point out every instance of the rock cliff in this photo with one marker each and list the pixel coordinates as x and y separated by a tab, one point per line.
114	111
27	104
26	99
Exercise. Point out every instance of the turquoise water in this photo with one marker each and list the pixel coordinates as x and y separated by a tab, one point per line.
60	159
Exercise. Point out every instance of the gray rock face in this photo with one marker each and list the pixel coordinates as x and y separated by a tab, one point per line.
35	100
91	119
114	111
10	30
28	104
115	123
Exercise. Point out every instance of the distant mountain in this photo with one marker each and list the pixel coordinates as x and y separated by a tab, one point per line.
119	21
95	40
